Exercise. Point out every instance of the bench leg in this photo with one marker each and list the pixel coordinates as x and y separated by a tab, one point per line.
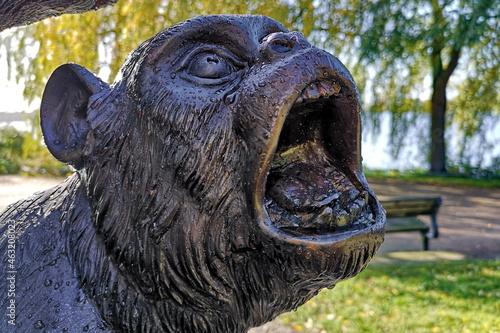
425	241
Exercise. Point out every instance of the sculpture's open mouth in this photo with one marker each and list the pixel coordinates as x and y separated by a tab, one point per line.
312	189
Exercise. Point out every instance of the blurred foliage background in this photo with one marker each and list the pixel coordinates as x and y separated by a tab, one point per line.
22	151
440	57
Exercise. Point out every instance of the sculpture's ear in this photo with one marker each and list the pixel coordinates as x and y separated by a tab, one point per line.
63	112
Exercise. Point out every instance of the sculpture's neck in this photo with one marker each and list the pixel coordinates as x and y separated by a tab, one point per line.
127	299
116	298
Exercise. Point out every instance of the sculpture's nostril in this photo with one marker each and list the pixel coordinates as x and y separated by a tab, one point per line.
278	45
281	45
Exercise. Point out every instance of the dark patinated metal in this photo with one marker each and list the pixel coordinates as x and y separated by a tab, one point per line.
218	184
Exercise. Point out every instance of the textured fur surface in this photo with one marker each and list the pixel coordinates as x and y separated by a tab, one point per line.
163	228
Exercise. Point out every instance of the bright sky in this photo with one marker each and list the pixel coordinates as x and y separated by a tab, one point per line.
11	93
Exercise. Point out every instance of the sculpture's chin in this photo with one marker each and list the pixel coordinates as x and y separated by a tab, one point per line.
332	240
327	255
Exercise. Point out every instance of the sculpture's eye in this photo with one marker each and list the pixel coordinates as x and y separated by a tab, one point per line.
210	66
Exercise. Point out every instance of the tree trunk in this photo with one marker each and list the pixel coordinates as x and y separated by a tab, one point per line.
440	77
438	146
22	12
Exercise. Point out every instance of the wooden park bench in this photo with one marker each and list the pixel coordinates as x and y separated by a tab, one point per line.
403	212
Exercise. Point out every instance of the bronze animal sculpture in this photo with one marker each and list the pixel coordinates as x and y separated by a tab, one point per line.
218	184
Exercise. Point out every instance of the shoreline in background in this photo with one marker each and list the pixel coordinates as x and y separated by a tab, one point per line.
376	141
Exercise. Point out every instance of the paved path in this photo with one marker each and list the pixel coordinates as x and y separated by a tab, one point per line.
13	188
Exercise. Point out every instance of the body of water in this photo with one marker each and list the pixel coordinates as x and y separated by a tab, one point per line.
377	149
482	150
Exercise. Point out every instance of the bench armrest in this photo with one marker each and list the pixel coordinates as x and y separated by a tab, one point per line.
434	232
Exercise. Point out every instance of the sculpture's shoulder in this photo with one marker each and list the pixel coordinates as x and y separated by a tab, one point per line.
42	291
32	227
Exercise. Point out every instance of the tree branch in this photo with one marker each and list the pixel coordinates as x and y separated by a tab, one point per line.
23	12
455	55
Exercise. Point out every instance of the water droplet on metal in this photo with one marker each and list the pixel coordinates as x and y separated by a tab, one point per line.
308	254
39	325
135	312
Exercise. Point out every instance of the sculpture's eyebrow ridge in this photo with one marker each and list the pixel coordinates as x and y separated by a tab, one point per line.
240	35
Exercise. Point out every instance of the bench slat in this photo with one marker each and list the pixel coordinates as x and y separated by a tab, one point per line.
402	224
402	207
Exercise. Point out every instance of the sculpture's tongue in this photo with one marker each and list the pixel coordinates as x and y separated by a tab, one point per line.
301	187
313	197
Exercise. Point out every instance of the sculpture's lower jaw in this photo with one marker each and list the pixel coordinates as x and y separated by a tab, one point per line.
371	233
328	258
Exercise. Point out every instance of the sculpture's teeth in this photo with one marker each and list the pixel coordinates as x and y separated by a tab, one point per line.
316	90
311	92
324	88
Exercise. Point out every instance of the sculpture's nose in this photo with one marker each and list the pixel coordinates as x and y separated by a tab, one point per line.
279	45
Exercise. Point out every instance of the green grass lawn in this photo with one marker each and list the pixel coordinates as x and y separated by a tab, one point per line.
419	176
448	297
